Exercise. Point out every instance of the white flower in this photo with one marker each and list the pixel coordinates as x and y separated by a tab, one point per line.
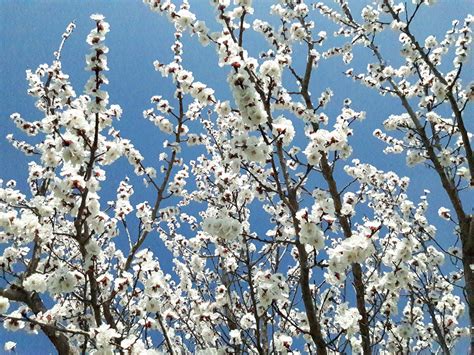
248	321
9	346
414	157
297	31
255	149
13	324
270	287
155	285
74	119
62	281
430	42
92	247
226	228
4	304
405	331
35	282
185	18
283	343
97	17
247	3
235	337
283	128
347	318
311	234
152	305
271	69
312	154
444	213
103	335
223	108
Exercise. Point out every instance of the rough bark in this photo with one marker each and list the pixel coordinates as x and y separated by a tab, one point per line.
34	302
356	268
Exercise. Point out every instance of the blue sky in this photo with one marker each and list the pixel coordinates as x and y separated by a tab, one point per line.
31	30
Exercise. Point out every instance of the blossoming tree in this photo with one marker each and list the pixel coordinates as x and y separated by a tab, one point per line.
342	259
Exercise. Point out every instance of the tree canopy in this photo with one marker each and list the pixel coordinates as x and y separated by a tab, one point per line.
257	228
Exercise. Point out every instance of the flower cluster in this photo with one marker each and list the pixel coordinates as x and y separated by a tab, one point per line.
225	228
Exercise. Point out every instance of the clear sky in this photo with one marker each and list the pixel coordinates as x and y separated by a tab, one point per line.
31	30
